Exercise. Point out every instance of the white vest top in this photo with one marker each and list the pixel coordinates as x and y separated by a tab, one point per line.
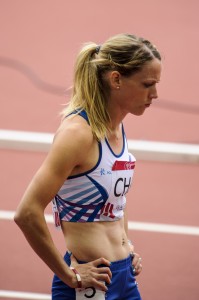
98	194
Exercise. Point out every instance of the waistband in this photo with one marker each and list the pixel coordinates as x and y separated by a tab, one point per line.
115	265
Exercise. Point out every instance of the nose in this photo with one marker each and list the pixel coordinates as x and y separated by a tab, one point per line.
153	93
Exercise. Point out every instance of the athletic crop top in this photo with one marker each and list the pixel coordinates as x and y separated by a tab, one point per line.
98	194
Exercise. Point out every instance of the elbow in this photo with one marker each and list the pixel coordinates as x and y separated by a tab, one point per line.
26	217
22	218
19	218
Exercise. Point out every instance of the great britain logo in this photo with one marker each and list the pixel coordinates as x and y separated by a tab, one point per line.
129	165
123	165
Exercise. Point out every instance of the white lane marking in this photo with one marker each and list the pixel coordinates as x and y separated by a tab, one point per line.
164	228
23	295
143	150
139	226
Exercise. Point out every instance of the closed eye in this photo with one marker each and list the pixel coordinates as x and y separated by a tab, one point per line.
147	85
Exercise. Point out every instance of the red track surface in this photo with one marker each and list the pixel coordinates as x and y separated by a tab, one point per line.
45	36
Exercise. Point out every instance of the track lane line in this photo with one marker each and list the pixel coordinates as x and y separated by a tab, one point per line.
139	226
23	295
143	150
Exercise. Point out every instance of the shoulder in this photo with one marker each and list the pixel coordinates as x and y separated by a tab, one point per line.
71	145
74	136
76	128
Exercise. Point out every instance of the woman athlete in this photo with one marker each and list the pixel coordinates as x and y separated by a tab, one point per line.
88	172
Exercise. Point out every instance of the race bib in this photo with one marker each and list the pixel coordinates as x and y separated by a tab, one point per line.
89	293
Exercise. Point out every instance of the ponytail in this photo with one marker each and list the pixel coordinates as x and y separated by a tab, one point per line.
88	91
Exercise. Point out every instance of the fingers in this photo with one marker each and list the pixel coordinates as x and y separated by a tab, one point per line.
95	273
104	274
99	285
137	263
101	261
136	259
96	263
95	277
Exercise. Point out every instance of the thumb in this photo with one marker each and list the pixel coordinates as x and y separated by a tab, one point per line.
73	261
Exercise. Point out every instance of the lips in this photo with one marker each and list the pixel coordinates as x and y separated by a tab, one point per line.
147	105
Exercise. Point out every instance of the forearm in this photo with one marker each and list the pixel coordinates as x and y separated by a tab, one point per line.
35	229
136	261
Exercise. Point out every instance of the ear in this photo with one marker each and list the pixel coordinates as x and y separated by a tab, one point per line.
115	80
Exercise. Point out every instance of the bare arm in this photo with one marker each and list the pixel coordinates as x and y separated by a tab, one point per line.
61	160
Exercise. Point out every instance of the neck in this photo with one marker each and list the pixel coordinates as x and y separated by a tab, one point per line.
116	116
115	133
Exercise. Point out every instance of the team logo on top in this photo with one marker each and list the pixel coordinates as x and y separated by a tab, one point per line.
107	210
123	165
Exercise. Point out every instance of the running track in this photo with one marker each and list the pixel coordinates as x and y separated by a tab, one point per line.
39	41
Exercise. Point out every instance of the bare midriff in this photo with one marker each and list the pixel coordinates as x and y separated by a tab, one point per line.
92	240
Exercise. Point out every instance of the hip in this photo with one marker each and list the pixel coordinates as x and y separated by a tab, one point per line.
123	284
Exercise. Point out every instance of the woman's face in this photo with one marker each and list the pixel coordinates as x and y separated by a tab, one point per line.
137	92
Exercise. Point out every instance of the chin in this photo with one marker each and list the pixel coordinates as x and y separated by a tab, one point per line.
138	113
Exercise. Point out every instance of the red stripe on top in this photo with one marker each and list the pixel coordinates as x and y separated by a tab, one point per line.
123	165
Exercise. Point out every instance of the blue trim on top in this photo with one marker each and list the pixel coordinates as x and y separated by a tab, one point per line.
91	170
82	113
121	153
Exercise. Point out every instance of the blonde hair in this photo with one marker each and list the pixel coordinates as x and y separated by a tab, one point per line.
124	53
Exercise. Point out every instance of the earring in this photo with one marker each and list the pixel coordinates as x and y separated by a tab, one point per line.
118	87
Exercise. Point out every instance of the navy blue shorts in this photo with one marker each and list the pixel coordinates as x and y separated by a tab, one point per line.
123	285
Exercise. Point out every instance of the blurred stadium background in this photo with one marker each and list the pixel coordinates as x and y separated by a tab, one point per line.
39	43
